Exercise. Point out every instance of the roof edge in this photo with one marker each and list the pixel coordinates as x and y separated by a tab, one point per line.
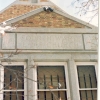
38	10
76	19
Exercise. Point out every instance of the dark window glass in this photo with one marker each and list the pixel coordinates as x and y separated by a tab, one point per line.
88	95
54	95
51	77
87	79
13	80
13	95
10	80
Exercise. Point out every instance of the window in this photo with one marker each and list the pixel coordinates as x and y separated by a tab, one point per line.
12	82
87	81
52	84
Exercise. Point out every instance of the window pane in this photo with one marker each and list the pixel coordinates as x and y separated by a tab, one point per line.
13	96
87	76
10	79
88	95
51	95
52	77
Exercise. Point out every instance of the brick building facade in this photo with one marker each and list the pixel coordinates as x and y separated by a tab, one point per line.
57	54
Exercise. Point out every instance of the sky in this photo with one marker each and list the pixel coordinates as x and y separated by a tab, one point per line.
5	3
65	5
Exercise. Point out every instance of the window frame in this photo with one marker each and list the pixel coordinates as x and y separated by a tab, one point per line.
76	75
2	78
66	75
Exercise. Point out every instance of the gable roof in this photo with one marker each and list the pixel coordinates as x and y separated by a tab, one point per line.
67	20
20	7
24	9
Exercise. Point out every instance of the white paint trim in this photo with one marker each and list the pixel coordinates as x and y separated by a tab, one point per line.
1	81
88	89
35	84
52	89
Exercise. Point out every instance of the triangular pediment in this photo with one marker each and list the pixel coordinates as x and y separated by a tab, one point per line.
48	19
41	18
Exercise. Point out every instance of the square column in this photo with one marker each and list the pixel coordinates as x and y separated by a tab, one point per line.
72	80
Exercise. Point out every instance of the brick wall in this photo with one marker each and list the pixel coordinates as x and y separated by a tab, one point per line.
48	19
17	10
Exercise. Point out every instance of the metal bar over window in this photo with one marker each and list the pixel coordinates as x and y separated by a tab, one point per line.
10	85
53	78
87	82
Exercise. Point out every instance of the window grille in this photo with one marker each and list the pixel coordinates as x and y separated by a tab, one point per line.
51	83
13	86
87	82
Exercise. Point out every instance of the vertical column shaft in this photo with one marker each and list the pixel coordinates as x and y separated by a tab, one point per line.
72	80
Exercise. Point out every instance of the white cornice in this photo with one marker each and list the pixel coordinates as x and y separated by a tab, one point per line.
51	51
54	30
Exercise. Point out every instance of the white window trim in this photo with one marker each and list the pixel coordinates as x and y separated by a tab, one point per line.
2	78
76	75
52	64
